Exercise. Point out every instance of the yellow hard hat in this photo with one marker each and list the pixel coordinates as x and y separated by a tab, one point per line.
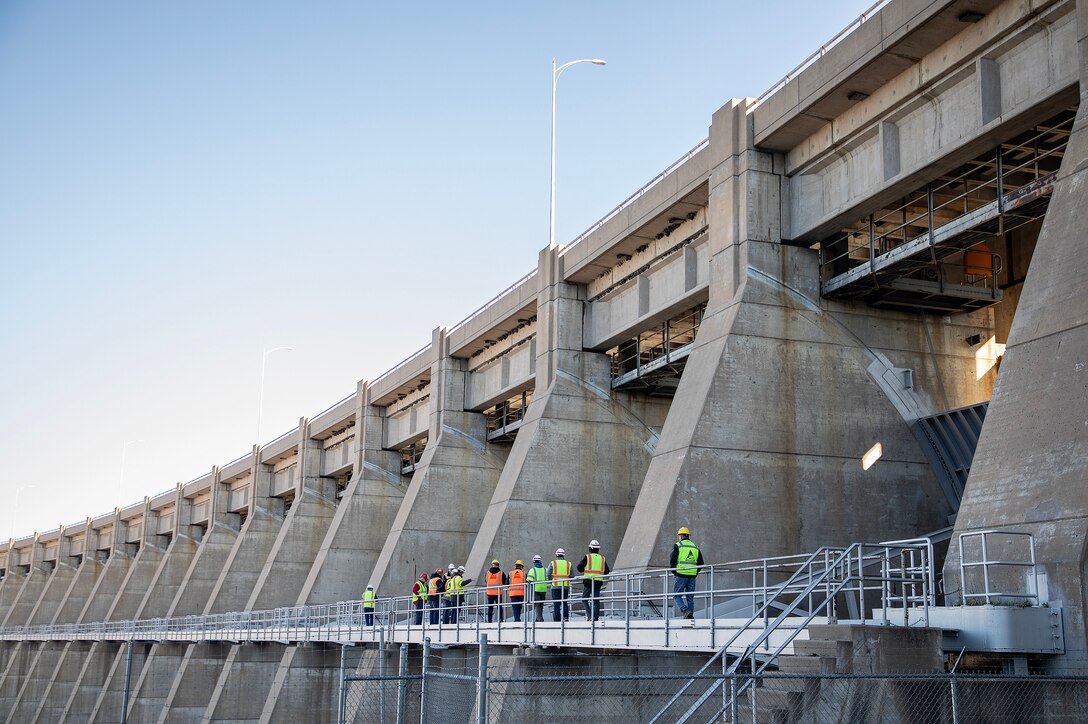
495	561
519	562
683	531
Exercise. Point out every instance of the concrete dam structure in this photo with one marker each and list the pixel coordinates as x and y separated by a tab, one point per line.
856	312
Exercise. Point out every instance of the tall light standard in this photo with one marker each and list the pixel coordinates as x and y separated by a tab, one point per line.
555	80
15	510
260	404
121	480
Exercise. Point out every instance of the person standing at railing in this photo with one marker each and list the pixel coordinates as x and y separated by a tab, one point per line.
368	605
448	599
435	587
419	593
453	591
537	577
459	600
685	561
496	579
594	567
559	575
517	588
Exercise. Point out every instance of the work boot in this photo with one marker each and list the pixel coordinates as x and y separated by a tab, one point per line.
689	614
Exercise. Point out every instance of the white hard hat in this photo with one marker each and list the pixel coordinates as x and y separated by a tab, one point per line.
560	552
594	543
451	567
370	585
536	558
460	569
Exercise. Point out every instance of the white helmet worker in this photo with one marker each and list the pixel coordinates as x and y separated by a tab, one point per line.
560	552
537	558
594	543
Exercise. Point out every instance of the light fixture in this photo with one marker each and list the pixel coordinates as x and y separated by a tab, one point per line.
871	456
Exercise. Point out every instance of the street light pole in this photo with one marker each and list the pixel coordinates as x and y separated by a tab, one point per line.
260	404
555	80
121	481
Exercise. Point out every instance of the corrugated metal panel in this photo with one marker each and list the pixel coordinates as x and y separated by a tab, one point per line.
949	440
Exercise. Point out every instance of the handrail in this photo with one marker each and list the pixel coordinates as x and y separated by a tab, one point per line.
857	22
407	360
476	312
334	405
635	196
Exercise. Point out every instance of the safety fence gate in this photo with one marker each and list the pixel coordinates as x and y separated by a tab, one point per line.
446	689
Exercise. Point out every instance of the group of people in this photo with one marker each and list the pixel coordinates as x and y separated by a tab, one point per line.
443	591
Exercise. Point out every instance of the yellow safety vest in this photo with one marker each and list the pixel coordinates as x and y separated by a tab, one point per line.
417	591
539	578
561	572
368	598
595	567
687	559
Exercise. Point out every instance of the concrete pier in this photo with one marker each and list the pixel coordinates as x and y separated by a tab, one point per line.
747	346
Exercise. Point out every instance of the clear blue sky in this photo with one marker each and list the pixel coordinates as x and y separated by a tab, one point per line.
184	183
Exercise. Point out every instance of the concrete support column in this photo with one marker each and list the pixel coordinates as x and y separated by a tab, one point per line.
784	393
441	511
577	463
1030	471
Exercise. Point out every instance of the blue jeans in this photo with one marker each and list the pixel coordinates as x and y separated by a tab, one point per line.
418	607
368	616
560	593
684	584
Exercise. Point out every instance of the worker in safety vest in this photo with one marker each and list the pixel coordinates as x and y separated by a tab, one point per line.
435	588
448	598
496	580
537	576
559	575
368	605
459	600
594	567
419	593
453	590
517	588
685	561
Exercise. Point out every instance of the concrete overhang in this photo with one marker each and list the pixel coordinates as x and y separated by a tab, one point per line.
49	536
682	191
133	511
511	309
408	375
897	37
75	529
334	419
102	522
236	469
281	448
164	499
195	487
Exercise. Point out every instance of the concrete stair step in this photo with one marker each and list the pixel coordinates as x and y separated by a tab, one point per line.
807	664
831	632
839	649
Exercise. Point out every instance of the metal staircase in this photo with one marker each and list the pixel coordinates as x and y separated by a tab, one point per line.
948	440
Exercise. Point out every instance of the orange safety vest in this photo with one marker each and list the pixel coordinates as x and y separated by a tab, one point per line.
494	583
561	572
517	578
432	587
595	566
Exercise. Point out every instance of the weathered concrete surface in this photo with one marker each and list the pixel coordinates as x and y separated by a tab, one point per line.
441	512
783	394
342	567
153	685
201	664
1030	471
31	589
248	670
155	604
577	463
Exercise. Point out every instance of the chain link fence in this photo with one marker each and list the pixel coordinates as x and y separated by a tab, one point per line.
446	688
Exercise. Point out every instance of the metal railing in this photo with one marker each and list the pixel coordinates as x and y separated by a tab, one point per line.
1009	176
402	364
504	418
475	313
739	605
985	563
637	195
656	347
858	22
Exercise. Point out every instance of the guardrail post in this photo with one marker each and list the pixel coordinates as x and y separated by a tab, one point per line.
381	673
128	681
955	700
423	680
341	706
481	683
402	683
